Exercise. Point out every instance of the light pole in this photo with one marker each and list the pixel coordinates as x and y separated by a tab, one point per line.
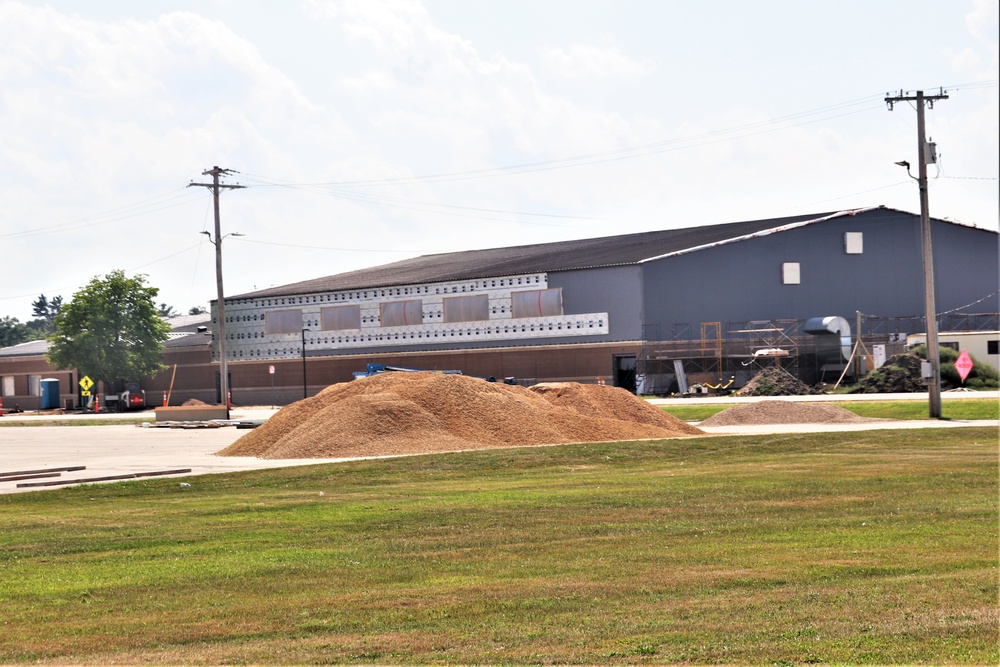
304	390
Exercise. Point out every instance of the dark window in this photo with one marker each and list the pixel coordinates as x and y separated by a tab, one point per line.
991	347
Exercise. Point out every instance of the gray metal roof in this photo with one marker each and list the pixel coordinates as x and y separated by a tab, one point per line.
544	257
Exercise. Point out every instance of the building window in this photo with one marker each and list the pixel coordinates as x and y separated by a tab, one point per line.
467	308
336	318
283	321
790	273
401	313
7	385
536	303
992	347
34	385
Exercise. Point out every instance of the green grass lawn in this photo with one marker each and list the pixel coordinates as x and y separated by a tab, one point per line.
871	547
970	408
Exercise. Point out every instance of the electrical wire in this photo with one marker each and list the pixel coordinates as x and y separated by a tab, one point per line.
629	152
144	207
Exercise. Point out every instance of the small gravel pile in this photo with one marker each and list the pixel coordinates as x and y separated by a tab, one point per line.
784	412
414	413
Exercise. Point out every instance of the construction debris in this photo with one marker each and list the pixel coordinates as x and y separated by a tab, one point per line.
775	381
106	478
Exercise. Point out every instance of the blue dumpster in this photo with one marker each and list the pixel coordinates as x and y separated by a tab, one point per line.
50	393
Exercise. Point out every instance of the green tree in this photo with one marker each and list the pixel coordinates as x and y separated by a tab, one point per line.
12	332
43	308
111	330
44	311
197	310
167	311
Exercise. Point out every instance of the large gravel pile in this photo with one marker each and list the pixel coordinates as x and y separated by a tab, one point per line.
412	413
784	412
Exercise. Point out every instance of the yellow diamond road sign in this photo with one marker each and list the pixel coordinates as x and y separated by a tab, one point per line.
86	383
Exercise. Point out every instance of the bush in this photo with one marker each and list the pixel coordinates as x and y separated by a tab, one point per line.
982	376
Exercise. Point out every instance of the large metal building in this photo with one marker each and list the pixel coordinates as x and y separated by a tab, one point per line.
654	312
624	309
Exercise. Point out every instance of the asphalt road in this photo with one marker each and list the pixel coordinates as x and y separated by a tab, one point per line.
126	449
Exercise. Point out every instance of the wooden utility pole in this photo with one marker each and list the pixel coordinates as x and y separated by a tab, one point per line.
926	153
215	186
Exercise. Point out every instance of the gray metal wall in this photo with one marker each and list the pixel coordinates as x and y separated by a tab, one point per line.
742	281
615	290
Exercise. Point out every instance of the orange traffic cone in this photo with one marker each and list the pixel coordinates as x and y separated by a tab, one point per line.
1	407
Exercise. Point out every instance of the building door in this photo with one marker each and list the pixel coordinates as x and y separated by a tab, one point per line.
624	370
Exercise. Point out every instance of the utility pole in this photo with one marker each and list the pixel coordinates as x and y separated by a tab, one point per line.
926	153
215	186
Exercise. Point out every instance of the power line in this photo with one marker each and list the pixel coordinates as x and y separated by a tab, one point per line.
629	152
144	207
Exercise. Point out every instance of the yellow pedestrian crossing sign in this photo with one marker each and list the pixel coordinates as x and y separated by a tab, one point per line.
86	383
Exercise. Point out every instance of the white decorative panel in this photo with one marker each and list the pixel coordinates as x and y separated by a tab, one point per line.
248	338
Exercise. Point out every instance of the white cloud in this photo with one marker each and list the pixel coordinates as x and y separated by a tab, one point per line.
101	113
587	61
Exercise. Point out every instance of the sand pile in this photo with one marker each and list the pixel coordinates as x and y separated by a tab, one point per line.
411	413
784	412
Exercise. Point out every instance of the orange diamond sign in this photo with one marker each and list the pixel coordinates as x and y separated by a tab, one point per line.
963	364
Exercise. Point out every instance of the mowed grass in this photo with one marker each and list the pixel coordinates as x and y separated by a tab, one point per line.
966	408
871	547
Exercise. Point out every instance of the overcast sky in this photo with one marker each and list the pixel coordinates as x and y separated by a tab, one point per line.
369	132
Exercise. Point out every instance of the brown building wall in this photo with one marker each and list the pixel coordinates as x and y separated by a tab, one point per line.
191	374
20	368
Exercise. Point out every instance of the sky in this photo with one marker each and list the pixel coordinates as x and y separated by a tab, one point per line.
370	131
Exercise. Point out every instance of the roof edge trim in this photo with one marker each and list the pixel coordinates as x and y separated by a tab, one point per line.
766	232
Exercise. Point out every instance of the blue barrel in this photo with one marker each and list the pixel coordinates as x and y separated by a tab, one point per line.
50	393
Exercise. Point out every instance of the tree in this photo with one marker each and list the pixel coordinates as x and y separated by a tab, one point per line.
12	332
44	311
111	330
197	310
167	311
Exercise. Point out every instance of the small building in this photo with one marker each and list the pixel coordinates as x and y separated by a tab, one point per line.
984	346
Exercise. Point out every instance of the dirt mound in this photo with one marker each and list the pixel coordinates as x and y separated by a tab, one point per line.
412	413
774	381
193	401
900	374
784	412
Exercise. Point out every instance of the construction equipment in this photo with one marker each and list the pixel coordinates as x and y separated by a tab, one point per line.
131	397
